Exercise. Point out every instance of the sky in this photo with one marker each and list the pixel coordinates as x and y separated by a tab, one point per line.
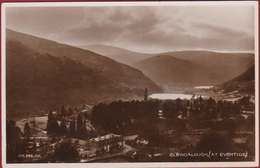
147	29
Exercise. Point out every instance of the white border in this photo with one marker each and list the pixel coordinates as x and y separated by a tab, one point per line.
153	164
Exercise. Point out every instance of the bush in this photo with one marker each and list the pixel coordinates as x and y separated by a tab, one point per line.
66	153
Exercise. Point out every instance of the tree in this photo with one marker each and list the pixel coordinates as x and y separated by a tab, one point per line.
145	94
250	122
72	128
228	125
27	130
63	128
70	111
236	109
170	109
244	101
13	141
53	127
214	114
65	152
33	127
76	109
50	123
81	129
63	111
56	128
79	122
215	142
27	134
184	114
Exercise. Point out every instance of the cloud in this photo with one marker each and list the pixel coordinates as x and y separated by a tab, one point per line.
224	37
111	25
141	28
42	21
212	30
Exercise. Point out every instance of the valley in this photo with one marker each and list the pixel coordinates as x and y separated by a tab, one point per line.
125	106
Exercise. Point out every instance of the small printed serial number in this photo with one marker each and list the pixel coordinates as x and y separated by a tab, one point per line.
29	156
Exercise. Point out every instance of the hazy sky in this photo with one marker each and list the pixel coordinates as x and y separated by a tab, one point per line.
141	29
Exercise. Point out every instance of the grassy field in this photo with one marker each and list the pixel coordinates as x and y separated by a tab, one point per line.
41	123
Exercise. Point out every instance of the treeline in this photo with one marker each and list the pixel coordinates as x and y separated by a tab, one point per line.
208	108
118	114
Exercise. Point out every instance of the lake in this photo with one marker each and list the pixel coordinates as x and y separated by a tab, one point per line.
170	96
203	87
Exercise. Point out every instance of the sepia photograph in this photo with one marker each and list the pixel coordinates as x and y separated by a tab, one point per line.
116	84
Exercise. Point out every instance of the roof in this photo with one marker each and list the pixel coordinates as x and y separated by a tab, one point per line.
101	138
41	134
108	137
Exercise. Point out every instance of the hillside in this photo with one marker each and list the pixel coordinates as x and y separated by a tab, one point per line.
244	82
42	75
168	71
116	53
219	67
203	68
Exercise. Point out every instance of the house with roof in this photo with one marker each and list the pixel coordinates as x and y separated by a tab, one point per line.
96	146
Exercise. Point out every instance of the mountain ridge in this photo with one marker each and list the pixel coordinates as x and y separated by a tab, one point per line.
60	74
119	54
204	68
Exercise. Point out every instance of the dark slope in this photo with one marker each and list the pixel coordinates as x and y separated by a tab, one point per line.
116	53
45	80
217	67
244	82
168	71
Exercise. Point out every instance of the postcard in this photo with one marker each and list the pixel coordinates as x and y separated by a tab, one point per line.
130	84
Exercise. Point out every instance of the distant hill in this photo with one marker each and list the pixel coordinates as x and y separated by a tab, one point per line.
116	53
43	75
244	82
168	71
194	68
218	67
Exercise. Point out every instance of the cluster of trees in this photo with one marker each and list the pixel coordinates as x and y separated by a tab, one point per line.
17	142
68	111
56	129
246	103
201	112
209	109
76	129
65	152
172	108
13	141
118	114
53	128
207	113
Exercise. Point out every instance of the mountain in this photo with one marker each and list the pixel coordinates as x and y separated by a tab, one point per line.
204	68
120	55
168	71
220	67
244	82
42	75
